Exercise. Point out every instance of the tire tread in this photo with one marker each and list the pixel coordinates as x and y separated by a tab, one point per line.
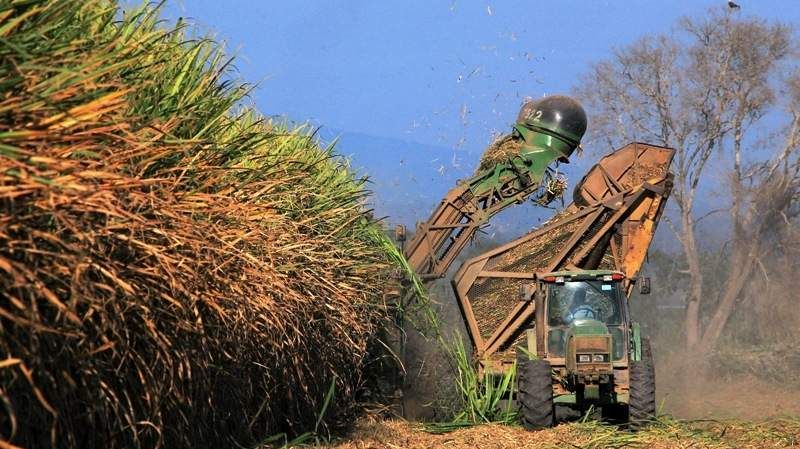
535	393
642	399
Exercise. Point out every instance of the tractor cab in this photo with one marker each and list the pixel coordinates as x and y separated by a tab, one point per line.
582	329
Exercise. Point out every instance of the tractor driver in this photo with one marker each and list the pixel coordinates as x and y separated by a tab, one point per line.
586	301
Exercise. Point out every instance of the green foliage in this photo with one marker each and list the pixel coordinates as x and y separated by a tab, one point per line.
416	306
529	354
489	399
306	438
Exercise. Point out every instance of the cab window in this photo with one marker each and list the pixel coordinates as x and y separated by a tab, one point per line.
578	300
594	300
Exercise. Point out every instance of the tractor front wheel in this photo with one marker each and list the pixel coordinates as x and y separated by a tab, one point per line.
642	401
535	387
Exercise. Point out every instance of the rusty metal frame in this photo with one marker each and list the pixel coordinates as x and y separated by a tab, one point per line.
438	241
638	207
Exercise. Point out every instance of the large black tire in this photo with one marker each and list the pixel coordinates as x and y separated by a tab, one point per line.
535	387
642	401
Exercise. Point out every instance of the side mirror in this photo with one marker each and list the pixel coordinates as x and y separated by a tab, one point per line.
644	286
400	233
526	292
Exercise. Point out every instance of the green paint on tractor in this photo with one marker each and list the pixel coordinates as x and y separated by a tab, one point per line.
587	327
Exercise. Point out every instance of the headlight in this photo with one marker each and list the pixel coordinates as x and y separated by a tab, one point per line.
584	358
599	358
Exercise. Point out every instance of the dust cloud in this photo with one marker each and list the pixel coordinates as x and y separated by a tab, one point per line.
751	372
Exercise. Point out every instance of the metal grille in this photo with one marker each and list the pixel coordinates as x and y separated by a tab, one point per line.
589	234
509	352
492	301
535	254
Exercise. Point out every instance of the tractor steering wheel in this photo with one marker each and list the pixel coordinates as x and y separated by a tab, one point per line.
585	312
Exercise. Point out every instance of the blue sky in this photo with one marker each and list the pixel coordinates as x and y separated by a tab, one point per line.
417	88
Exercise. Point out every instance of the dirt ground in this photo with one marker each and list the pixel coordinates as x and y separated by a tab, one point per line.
668	434
686	393
697	413
743	398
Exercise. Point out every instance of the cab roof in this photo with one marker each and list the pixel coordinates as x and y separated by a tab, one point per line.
578	273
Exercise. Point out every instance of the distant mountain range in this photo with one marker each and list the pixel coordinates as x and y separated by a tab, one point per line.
408	179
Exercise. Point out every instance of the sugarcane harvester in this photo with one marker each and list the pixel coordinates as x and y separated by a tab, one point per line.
560	293
555	302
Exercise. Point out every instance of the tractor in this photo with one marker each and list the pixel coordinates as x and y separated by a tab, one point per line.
584	350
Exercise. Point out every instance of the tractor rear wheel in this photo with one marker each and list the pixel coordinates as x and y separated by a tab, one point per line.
642	400
535	386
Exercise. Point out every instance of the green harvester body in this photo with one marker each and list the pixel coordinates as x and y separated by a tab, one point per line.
574	273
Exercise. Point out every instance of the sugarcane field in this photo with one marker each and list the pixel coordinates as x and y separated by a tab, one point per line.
457	224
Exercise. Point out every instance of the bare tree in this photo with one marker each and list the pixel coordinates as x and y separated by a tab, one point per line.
764	201
701	90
